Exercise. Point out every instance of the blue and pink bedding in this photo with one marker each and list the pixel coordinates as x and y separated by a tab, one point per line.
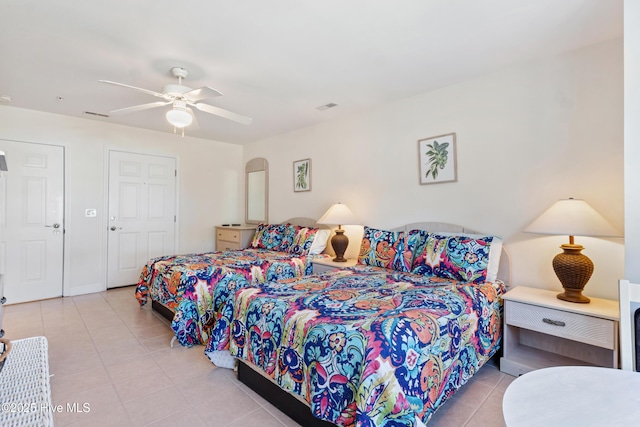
367	346
206	305
167	278
277	251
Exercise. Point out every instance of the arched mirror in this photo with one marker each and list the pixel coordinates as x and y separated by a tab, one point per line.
257	191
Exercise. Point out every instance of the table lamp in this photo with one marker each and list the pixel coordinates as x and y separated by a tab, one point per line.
572	217
340	215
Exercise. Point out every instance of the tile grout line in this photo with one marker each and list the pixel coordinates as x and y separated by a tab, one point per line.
122	403
482	403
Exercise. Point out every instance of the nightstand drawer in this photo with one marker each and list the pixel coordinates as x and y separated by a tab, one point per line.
576	327
229	235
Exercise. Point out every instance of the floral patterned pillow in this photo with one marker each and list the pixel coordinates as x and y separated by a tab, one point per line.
302	241
461	258
269	236
381	248
411	245
288	236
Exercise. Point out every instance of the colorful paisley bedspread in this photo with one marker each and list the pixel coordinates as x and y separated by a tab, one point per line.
369	347
197	286
166	278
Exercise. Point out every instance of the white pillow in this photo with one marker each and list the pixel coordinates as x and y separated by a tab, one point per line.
320	241
495	251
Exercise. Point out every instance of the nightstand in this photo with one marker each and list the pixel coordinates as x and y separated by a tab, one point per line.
541	331
231	238
323	265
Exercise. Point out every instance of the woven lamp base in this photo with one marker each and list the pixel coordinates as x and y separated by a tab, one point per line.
574	270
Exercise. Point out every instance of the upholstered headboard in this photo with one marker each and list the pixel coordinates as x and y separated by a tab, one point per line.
305	222
504	268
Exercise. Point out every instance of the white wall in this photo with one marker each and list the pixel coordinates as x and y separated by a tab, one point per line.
526	136
632	139
210	183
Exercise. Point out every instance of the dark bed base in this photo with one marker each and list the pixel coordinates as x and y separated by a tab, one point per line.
279	398
162	310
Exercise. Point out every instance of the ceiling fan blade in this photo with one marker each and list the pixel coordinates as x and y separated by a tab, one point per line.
140	107
139	89
202	93
194	124
223	113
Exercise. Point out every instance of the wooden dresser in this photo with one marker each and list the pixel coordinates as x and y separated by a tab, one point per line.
234	237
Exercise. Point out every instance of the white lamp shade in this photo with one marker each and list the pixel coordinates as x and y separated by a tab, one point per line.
179	118
338	214
572	217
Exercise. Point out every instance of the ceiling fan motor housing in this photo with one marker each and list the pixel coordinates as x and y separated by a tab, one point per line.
176	90
179	104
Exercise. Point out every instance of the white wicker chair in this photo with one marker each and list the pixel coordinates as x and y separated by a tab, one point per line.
25	391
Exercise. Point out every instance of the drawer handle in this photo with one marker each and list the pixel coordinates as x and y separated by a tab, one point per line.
553	322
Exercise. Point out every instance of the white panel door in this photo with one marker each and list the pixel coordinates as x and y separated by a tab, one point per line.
142	203
32	221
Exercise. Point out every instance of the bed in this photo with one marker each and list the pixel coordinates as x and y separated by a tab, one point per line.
376	345
278	251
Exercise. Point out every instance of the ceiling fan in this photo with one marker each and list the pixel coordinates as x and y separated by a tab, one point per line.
181	97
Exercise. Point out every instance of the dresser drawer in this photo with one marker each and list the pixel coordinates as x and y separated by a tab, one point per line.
229	235
576	327
223	245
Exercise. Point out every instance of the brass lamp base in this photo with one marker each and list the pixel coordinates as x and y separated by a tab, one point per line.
574	270
339	243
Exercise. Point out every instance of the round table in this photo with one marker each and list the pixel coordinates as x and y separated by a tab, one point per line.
573	396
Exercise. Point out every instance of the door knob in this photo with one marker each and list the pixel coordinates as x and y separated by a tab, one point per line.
56	225
114	228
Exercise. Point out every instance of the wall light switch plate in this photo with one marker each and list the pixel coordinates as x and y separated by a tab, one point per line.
90	213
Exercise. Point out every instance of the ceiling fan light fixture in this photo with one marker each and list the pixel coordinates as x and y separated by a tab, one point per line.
179	118
182	97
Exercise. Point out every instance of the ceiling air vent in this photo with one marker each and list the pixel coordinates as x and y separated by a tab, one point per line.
326	106
91	113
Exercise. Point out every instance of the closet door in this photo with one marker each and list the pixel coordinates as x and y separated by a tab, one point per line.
142	213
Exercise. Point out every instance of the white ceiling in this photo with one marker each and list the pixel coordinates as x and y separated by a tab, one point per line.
274	60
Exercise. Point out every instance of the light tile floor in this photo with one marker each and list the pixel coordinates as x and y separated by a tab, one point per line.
106	351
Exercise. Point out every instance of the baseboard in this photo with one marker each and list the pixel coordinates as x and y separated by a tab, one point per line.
85	289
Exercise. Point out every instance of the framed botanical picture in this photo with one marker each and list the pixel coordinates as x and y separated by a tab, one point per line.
437	159
302	175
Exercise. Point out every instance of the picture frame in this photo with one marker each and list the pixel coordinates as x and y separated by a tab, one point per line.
302	175
437	159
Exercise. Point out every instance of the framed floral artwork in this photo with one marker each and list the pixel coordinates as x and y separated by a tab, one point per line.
437	159
302	175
